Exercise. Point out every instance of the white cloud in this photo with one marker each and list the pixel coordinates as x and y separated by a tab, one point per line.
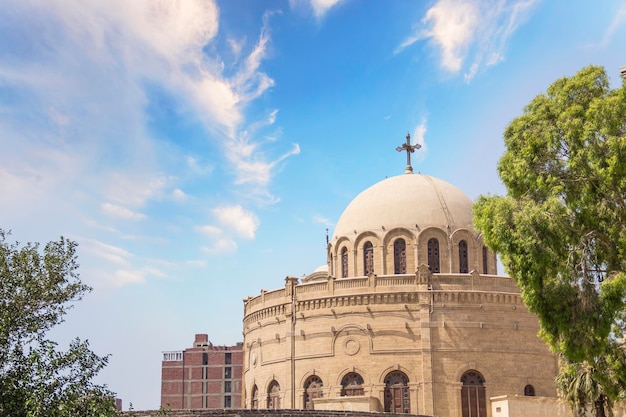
319	7
117	270
221	247
452	26
96	225
177	30
197	168
418	134
123	277
79	126
255	171
133	189
323	220
150	270
237	219
619	18
115	267
272	117
418	137
410	40
58	118
249	81
197	263
209	230
474	30
236	46
179	195
109	253
251	165
13	181
121	212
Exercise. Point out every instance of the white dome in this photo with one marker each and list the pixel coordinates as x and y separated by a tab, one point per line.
320	273
406	201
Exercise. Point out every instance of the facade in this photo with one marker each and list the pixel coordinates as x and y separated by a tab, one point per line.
408	315
203	376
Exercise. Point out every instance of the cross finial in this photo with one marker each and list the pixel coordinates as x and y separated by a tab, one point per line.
409	150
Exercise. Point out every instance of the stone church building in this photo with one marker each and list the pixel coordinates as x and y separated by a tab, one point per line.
409	315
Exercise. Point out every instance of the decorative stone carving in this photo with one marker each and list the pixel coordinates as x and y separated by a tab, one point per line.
423	274
351	346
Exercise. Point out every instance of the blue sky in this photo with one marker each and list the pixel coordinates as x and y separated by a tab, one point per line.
198	151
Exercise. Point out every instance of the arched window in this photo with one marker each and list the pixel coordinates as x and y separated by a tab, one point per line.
368	258
344	262
463	261
255	398
529	391
399	256
273	396
485	260
473	399
433	256
352	385
397	398
312	389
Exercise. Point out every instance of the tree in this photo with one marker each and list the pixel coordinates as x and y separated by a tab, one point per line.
561	229
36	379
579	385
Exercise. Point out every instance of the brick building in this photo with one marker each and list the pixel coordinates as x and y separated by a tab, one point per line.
203	376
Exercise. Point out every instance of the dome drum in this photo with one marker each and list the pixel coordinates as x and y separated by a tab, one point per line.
400	251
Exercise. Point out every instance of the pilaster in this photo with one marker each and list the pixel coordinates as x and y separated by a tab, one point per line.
427	402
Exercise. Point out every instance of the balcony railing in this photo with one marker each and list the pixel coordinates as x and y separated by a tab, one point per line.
381	284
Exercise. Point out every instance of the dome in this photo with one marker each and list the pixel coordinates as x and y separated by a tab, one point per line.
406	201
320	273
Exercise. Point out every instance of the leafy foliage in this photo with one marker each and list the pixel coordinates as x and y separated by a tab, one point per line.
579	384
36	379
561	228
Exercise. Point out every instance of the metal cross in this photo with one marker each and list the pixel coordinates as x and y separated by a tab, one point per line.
409	150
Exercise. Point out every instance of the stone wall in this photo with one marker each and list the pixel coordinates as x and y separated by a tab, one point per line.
259	413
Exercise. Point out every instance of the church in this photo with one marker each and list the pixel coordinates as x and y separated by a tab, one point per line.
409	315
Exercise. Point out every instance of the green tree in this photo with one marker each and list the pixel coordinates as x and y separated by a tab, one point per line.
561	229
579	384
37	379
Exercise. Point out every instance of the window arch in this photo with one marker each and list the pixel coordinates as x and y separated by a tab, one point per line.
399	256
312	389
529	391
368	258
352	385
273	396
485	260
473	398
433	256
397	398
344	262
255	397
463	258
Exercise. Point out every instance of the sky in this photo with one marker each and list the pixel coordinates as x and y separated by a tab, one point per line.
198	151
